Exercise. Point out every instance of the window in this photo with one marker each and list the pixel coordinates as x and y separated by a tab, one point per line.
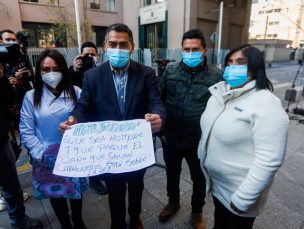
147	2
110	5
30	0
99	33
277	10
44	35
94	4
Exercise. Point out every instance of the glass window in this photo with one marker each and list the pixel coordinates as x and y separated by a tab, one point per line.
43	35
147	2
94	4
30	0
99	33
110	5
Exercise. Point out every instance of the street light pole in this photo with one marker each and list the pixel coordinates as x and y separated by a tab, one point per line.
77	24
220	33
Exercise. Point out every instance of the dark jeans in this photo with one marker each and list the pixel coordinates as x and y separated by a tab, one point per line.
173	156
223	218
61	210
117	185
11	189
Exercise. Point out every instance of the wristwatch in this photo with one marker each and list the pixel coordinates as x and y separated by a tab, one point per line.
234	208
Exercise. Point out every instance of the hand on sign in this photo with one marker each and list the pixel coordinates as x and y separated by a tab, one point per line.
155	121
66	124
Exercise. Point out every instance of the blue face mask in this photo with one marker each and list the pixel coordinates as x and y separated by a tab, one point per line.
192	59
118	57
236	75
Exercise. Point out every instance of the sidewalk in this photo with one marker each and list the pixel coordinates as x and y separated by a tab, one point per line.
284	209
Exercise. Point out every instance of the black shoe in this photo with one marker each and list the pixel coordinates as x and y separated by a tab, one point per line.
29	224
136	224
98	186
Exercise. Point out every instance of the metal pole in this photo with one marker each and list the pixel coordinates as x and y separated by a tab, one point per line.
77	24
220	33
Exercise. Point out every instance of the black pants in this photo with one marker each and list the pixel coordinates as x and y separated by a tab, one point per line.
223	218
173	156
117	186
61	210
9	181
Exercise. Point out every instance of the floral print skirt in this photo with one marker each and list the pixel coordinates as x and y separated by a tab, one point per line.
47	185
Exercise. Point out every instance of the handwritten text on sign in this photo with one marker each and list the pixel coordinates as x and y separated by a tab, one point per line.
89	149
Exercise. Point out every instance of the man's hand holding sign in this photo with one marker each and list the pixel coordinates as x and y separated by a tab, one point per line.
94	148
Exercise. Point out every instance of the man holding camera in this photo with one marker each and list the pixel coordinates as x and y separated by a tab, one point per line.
81	63
8	175
19	72
86	60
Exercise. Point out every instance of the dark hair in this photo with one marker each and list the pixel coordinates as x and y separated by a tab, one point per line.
88	44
65	85
6	31
119	27
256	65
195	34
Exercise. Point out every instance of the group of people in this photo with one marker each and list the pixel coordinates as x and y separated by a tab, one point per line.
229	127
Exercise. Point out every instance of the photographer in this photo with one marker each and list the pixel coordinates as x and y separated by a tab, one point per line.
83	62
9	182
19	72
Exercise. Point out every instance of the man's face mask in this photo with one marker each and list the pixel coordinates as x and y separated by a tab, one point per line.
52	79
236	75
118	58
192	59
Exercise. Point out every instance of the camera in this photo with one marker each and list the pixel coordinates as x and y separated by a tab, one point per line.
10	52
22	38
87	62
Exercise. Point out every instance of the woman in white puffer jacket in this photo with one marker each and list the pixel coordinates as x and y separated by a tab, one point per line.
243	143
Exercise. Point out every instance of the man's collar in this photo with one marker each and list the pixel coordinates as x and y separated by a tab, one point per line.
119	71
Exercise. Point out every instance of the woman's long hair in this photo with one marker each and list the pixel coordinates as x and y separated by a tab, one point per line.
256	65
65	85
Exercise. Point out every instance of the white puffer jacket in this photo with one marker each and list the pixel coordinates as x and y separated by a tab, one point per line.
243	143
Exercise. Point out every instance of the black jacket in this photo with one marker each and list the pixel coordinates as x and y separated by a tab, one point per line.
185	94
7	100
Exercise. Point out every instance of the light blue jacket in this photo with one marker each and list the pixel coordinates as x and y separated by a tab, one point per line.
39	127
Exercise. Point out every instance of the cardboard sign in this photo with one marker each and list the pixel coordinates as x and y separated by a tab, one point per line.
90	149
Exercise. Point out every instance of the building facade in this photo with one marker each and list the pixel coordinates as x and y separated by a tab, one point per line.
52	23
161	24
278	19
155	23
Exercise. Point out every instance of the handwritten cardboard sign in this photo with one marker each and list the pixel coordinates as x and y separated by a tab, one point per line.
89	149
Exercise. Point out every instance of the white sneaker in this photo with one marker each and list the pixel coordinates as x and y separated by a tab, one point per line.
2	204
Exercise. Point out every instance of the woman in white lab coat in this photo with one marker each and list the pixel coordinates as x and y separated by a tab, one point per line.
43	108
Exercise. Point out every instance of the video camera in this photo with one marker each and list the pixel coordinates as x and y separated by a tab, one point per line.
22	38
10	52
87	62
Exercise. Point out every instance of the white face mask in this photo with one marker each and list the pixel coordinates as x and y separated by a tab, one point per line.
52	79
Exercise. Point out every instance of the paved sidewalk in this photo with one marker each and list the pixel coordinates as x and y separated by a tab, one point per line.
284	209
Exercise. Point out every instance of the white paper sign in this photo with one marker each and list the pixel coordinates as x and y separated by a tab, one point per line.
89	149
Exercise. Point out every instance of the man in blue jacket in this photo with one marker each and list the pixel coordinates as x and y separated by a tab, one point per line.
120	89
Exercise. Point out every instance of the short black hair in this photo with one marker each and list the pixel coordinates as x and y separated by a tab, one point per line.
88	44
119	27
195	34
256	65
6	31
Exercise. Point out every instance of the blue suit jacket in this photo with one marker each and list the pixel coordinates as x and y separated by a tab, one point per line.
99	101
